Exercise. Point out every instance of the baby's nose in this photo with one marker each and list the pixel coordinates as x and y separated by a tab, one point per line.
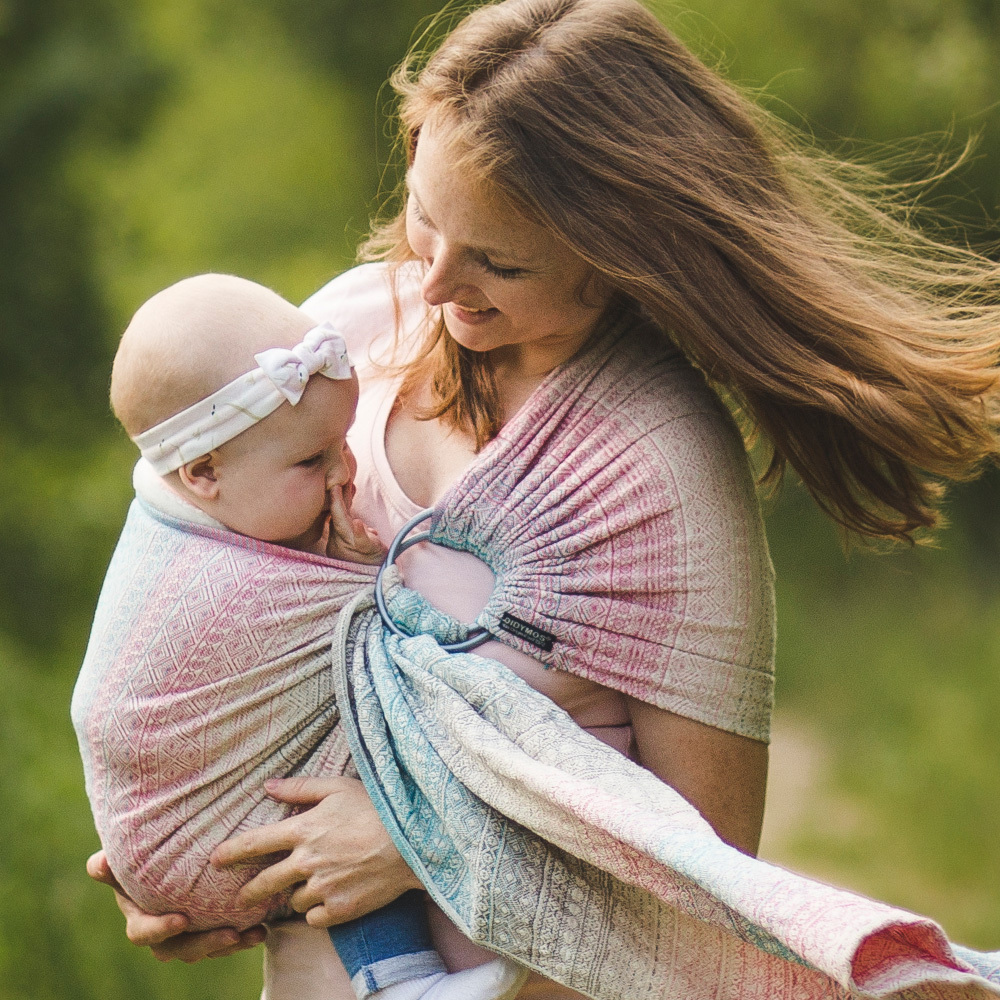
339	475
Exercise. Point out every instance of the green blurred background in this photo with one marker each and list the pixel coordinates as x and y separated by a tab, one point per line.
142	141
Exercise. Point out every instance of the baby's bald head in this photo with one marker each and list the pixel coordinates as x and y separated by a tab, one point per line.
193	338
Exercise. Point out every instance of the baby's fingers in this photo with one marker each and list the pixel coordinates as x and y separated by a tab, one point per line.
350	537
148	930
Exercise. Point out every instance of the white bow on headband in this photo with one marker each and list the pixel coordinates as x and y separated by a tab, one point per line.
248	399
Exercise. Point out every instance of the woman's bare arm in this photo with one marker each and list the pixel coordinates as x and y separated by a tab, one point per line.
724	776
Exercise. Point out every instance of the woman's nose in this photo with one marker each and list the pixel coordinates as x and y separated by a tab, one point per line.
444	278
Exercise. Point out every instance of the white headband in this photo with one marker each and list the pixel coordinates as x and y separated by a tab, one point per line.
245	401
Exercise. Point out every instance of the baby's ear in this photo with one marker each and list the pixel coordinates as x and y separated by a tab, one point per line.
200	478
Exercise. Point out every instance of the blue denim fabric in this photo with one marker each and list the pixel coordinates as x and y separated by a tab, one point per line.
387	946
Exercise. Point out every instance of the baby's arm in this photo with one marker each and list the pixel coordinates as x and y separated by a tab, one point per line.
349	537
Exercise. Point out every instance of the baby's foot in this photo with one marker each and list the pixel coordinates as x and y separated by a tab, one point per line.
497	980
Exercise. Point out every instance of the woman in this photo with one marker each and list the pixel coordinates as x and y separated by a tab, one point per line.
571	162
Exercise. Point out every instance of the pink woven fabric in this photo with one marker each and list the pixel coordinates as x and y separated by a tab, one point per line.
619	517
616	508
207	672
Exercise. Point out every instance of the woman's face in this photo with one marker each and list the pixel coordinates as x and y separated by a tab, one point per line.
501	279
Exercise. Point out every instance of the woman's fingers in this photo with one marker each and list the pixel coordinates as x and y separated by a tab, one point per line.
189	948
319	916
272	880
164	934
284	835
306	791
252	844
141	928
100	871
341	862
334	911
147	930
248	939
304	898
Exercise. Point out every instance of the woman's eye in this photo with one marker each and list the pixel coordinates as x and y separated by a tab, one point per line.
501	272
417	214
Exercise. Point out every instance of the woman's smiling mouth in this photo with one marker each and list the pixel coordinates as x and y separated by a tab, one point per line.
467	315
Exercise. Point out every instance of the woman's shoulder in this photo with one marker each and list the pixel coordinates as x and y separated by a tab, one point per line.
655	402
365	303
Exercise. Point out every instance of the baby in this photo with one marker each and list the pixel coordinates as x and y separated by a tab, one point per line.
281	481
208	668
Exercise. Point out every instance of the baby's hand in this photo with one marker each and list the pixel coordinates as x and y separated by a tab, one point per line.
350	538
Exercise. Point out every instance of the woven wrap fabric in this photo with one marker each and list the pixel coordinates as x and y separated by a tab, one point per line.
618	515
207	672
541	842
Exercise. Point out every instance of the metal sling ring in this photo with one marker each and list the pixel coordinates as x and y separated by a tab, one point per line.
399	545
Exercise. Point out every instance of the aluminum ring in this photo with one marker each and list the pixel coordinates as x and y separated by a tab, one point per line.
399	545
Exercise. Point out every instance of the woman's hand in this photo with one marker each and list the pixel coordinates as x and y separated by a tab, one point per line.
166	935
339	854
349	537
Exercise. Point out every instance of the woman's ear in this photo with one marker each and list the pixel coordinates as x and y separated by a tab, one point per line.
200	476
596	289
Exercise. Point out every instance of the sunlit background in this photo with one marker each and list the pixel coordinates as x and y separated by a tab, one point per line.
143	141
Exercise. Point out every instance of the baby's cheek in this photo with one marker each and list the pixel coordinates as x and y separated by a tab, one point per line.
314	499
300	502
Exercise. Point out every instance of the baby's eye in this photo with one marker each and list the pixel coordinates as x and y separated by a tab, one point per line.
311	461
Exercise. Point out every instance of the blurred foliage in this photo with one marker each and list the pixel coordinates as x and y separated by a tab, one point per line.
141	142
70	76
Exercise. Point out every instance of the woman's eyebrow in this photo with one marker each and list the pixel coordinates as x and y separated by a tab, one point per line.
505	254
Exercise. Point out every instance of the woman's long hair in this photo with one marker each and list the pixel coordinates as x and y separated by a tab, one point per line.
865	351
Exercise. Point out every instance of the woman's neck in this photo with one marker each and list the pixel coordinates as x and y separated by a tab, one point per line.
520	368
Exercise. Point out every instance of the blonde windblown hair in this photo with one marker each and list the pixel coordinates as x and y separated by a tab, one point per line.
864	351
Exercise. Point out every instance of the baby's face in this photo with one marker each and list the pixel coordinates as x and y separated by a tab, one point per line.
275	478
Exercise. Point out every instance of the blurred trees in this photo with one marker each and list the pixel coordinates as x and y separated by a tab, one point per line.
903	83
141	142
70	76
